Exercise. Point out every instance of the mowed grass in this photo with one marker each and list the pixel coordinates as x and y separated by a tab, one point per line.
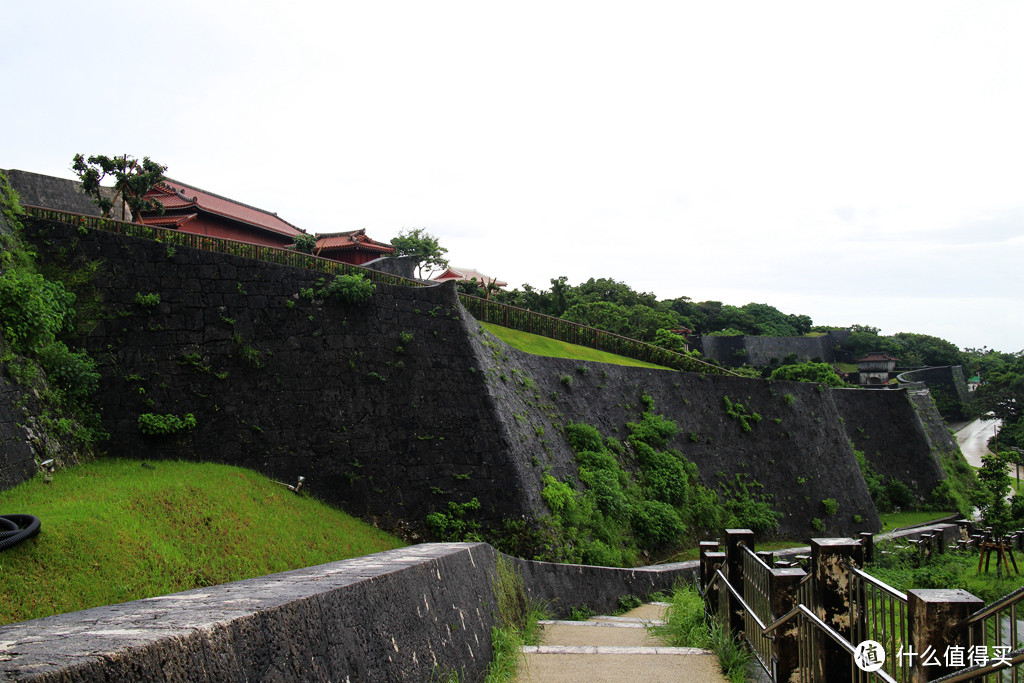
545	346
900	520
114	530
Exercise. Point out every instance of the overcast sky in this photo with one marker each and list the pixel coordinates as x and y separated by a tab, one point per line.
855	162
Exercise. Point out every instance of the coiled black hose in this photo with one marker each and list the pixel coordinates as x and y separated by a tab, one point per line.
17	528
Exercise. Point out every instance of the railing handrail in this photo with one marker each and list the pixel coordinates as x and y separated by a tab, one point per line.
802	611
754	556
987	611
878	583
719	576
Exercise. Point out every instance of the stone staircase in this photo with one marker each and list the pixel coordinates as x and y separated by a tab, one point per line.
614	649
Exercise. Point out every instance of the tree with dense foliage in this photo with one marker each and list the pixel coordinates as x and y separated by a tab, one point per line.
424	248
304	243
821	373
132	180
995	511
1001	393
667	339
912	349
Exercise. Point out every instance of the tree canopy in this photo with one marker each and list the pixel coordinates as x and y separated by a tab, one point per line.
821	373
425	248
132	180
1002	394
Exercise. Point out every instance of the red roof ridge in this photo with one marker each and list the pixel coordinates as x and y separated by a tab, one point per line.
195	200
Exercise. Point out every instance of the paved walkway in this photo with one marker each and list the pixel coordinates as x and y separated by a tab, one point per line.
614	649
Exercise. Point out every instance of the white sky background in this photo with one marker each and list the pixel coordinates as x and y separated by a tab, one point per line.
855	162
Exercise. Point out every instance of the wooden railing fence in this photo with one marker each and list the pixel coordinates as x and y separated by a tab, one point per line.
815	625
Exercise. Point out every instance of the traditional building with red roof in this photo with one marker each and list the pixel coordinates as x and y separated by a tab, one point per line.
191	209
468	275
352	247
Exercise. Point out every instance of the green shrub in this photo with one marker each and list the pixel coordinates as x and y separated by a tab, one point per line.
33	310
583	437
454	525
351	289
559	496
745	510
147	301
72	371
655	524
899	494
165	425
831	506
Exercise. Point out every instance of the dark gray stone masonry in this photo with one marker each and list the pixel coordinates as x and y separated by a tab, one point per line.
396	408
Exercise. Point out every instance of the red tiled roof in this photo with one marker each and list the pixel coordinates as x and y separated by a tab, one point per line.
177	195
173	220
876	356
349	241
467	274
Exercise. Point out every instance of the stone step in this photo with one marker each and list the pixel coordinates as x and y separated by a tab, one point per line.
615	649
597	633
617	664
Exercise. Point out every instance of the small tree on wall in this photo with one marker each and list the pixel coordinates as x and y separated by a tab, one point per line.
132	180
423	247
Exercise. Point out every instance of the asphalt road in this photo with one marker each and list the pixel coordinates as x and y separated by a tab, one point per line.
973	439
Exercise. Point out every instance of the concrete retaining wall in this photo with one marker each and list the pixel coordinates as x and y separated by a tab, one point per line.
411	614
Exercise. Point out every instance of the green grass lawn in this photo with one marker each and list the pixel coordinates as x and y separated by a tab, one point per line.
113	531
899	520
545	346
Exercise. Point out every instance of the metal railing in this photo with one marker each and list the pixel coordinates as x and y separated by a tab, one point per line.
995	631
481	309
880	614
810	629
757	605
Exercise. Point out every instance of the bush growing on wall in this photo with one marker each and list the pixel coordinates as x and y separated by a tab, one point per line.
36	326
618	515
351	289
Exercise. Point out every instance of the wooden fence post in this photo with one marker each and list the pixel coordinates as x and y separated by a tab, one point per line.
829	559
931	615
735	541
785	584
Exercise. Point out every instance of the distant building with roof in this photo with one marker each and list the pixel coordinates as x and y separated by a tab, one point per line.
190	209
876	368
352	247
469	275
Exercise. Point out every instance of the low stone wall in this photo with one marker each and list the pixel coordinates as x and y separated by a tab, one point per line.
412	614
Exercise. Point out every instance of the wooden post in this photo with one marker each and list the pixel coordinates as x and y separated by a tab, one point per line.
931	615
829	558
735	541
705	570
711	562
786	648
867	539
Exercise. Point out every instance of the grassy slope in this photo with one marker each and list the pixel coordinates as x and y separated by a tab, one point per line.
114	531
545	346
